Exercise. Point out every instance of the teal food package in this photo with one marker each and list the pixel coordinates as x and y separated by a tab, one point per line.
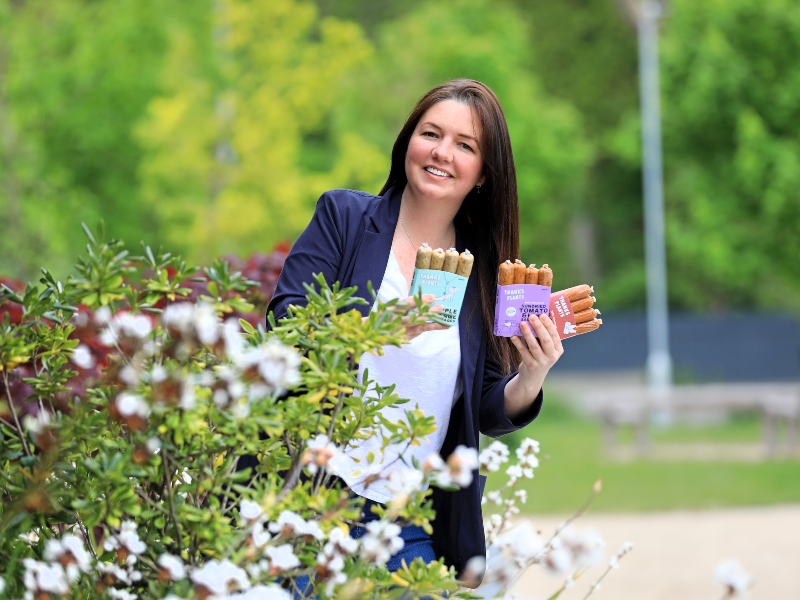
447	288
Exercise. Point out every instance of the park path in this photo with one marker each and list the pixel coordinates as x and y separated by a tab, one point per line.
676	552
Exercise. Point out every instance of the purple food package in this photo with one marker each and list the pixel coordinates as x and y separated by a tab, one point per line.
515	303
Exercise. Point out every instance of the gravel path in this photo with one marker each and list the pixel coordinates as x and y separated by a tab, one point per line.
676	552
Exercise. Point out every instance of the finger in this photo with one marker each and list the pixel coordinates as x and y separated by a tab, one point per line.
520	345
545	341
426	298
534	348
551	329
417	330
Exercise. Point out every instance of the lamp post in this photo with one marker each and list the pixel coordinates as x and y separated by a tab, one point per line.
659	363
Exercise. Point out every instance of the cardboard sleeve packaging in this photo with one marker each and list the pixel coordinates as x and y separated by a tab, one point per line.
516	302
447	289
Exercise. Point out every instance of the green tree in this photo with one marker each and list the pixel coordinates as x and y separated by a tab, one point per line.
74	77
225	153
732	156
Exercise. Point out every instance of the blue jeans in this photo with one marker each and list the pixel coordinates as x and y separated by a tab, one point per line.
417	543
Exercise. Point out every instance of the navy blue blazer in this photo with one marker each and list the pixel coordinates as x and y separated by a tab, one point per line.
348	240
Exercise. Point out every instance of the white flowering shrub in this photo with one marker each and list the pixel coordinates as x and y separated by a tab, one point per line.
151	446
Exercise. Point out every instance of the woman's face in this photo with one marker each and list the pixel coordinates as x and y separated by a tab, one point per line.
444	161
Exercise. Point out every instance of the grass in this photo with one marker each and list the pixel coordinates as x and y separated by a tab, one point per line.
572	459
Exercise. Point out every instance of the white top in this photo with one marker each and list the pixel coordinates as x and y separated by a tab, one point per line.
427	371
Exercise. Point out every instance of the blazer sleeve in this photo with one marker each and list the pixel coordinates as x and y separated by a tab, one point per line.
319	249
493	419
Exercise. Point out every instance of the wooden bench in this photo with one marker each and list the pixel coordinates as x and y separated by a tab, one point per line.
636	406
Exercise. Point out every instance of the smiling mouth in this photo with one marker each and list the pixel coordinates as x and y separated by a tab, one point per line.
437	172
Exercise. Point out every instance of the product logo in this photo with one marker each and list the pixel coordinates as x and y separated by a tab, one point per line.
569	328
511	311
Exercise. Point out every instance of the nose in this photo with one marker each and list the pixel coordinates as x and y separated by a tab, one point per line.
442	151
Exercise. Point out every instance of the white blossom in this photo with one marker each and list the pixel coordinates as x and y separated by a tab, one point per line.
321	453
558	561
329	569
340	542
157	374
173	565
290	523
732	575
250	510
38	423
492	457
276	363
432	463
527	460
613	562
626	547
330	562
460	465
403	483
43	577
495	496
259	536
130	374
234	340
522	495
126	540
219	578
129	405
529	445
263	592
279	365
121	594
184	477
153	445
206	323
82	357
70	552
281	558
127	325
514	472
125	576
585	548
381	541
31	537
508	554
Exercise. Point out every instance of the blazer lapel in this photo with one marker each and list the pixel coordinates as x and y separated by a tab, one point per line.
373	252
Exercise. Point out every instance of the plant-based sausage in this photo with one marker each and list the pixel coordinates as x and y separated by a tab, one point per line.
532	274
519	271
437	259
546	276
465	262
423	257
450	261
506	273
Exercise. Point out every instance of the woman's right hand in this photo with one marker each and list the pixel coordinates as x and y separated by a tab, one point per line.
405	305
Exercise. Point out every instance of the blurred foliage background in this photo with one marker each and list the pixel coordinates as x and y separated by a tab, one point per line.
212	127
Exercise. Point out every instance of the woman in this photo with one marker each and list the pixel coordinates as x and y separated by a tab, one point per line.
452	183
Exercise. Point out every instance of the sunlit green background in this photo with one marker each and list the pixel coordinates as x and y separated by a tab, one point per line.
212	126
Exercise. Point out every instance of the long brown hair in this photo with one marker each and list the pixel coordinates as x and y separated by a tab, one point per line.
489	217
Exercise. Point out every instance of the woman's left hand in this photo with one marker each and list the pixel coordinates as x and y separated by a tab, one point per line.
540	354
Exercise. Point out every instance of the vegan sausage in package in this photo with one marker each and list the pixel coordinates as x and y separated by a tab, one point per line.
445	275
570	309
